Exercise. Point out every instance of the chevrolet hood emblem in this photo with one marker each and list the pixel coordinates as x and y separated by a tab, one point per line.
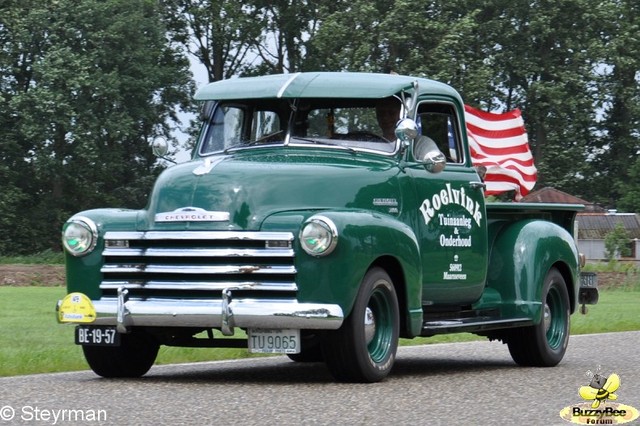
192	214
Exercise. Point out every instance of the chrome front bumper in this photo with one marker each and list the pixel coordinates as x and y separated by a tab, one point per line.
224	314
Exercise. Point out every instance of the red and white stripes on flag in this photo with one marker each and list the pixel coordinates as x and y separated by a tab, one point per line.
500	143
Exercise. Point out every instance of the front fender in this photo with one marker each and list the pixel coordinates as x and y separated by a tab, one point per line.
522	254
363	238
83	273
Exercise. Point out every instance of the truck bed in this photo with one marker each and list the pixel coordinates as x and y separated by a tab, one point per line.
562	214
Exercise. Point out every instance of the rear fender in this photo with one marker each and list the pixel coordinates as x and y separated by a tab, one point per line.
521	256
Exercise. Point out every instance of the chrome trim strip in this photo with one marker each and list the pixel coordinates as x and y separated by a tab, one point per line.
247	313
287	84
197	252
138	268
198	285
316	146
350	148
199	235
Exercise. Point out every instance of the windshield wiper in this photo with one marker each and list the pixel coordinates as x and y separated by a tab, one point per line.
249	144
322	142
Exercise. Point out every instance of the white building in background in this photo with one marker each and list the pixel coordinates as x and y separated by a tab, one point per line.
594	227
594	223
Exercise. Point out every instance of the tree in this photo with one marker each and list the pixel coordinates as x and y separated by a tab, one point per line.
352	37
630	197
546	57
616	243
619	154
287	25
86	86
218	33
232	38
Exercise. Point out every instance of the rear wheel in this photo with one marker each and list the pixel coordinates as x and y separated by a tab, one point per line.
364	348
544	344
133	358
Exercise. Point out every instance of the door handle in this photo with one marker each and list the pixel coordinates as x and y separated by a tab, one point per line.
476	185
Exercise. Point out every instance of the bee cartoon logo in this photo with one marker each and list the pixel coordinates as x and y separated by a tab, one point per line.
598	408
601	388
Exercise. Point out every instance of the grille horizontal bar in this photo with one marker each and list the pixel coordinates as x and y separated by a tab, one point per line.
196	252
200	285
197	269
193	261
199	235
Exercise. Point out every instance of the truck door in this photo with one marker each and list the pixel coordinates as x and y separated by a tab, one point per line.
450	218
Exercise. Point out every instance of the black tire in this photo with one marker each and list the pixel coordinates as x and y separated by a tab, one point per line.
133	358
544	344
311	350
364	348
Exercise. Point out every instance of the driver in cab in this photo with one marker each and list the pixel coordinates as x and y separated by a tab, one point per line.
388	115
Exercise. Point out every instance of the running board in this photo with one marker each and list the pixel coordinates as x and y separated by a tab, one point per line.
471	325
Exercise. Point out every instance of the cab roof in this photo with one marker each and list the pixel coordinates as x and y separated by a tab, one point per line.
319	85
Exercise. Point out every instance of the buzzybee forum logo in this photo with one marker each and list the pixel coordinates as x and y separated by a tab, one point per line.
599	408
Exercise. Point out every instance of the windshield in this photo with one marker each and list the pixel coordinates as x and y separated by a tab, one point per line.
365	124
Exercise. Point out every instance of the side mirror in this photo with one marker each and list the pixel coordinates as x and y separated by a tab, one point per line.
406	130
426	152
160	147
434	161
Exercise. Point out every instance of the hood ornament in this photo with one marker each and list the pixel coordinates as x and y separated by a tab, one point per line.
192	214
207	165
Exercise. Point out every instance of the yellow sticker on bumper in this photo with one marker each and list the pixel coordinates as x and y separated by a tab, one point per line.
76	308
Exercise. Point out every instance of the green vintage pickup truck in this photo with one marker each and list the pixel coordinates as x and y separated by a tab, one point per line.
322	216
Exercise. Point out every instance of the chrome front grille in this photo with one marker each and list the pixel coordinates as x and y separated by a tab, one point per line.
159	263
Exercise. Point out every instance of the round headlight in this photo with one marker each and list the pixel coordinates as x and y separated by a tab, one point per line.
319	236
79	236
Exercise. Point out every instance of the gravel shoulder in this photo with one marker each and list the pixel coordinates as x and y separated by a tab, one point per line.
32	275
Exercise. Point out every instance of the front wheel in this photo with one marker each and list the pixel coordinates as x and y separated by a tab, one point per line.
133	358
364	348
544	344
311	350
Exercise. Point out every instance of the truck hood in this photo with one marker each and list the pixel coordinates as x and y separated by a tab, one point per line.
237	192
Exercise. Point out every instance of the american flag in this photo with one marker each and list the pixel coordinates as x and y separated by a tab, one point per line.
499	142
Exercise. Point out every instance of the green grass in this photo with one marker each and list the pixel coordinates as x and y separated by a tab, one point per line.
31	340
617	310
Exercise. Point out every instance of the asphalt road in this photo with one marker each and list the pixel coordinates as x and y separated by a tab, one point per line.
449	384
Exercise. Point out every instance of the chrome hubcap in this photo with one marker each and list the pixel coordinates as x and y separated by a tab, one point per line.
547	317
369	325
